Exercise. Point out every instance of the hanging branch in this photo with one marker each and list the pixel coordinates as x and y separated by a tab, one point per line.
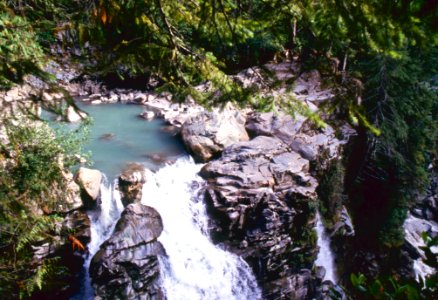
166	23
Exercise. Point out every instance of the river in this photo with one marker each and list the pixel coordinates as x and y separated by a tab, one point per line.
194	268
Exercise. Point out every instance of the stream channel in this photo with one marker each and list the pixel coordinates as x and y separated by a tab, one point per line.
194	268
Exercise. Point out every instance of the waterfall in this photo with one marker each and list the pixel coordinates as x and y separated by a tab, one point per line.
102	222
194	268
325	256
414	227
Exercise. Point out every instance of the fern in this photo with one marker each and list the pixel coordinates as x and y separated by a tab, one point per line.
38	232
44	271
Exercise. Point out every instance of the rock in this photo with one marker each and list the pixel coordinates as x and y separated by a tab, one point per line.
89	181
96	102
158	106
107	137
71	259
113	98
259	197
295	132
345	226
147	115
131	183
174	114
78	224
208	133
72	115
126	266
72	199
157	158
47	97
172	130
297	287
140	98
281	126
329	291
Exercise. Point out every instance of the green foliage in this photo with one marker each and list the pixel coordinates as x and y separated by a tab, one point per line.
20	54
399	101
381	56
32	184
330	191
390	288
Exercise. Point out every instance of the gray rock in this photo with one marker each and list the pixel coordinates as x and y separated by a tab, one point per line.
208	133
72	200
131	183
260	196
309	143
345	226
297	287
126	266
280	125
89	181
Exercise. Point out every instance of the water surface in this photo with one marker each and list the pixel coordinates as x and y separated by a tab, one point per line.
119	136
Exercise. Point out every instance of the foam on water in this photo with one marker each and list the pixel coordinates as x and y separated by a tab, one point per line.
325	256
102	222
194	267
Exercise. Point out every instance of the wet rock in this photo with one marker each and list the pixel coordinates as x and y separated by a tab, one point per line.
89	181
107	137
77	223
260	197
172	130
131	183
126	266
208	133
298	287
329	291
345	226
157	158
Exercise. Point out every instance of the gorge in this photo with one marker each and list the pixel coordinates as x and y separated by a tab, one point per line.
225	149
243	224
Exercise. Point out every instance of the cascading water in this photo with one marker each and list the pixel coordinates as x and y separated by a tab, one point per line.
102	222
325	256
194	268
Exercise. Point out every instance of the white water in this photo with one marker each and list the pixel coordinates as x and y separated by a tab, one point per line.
194	268
325	256
413	229
102	222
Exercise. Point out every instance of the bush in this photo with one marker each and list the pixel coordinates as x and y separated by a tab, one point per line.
31	185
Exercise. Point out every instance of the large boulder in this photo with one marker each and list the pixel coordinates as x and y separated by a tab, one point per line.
208	133
261	198
296	133
131	183
89	181
126	266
